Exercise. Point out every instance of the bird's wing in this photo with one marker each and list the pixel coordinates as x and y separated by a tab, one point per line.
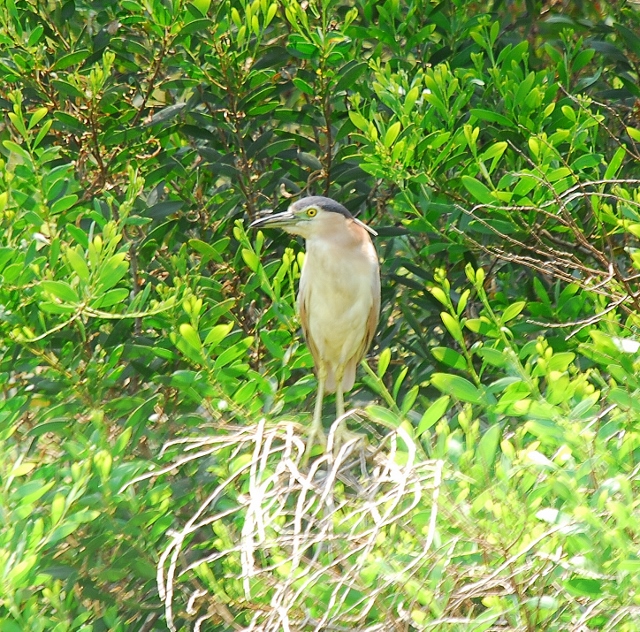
303	310
369	332
372	320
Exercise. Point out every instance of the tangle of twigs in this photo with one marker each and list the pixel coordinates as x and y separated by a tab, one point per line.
363	540
565	239
298	537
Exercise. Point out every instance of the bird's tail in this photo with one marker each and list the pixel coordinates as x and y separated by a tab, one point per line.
348	379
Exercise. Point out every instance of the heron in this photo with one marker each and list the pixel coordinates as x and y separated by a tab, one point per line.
338	296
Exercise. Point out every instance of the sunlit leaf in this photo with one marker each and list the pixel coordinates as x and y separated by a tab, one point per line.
433	414
457	387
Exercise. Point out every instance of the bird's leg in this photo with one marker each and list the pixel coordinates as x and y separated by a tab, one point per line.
316	434
343	434
339	395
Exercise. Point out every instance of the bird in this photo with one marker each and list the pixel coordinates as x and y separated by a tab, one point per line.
338	296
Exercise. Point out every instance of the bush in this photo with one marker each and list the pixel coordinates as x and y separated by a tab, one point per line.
494	146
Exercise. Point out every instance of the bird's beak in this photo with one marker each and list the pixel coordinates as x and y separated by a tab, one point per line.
284	220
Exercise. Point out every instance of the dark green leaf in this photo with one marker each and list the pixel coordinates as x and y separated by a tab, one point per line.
72	59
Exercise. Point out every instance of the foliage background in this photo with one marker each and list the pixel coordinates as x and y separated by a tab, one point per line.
493	145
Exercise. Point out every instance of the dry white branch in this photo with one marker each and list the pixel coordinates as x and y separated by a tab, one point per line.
361	541
293	534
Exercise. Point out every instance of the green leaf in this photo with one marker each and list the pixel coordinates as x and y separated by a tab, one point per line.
207	251
201	5
303	86
615	163
398	381
16	149
630	37
70	122
231	354
526	183
217	335
31	491
309	160
496	150
19	573
488	446
301	48
383	361
18	123
56	308
622	398
61	290
492	356
409	399
349	74
194	26
449	357
190	335
35	36
556	174
70	60
67	10
112	271
391	134
582	59
457	387
37	116
512	311
384	416
584	409
251	259
433	414
480	326
439	295
634	133
68	90
453	327
361	123
560	361
22	469
271	13
63	204
110	297
61	532
588	161
582	587
479	191
493	117
78	264
42	132
57	508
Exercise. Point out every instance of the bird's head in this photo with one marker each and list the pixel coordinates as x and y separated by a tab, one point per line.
310	216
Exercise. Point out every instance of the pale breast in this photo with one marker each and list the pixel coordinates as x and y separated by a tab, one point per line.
339	285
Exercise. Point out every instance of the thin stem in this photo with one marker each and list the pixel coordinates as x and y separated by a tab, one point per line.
380	388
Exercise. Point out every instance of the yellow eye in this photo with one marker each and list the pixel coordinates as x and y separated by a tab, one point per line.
312	212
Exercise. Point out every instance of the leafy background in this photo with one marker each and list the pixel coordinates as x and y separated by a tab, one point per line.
493	145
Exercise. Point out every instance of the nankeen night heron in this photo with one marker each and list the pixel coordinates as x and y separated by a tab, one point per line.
338	298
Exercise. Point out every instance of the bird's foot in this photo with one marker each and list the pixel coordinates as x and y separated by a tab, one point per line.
342	435
316	438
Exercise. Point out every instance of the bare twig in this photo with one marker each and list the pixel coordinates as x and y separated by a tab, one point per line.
298	529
